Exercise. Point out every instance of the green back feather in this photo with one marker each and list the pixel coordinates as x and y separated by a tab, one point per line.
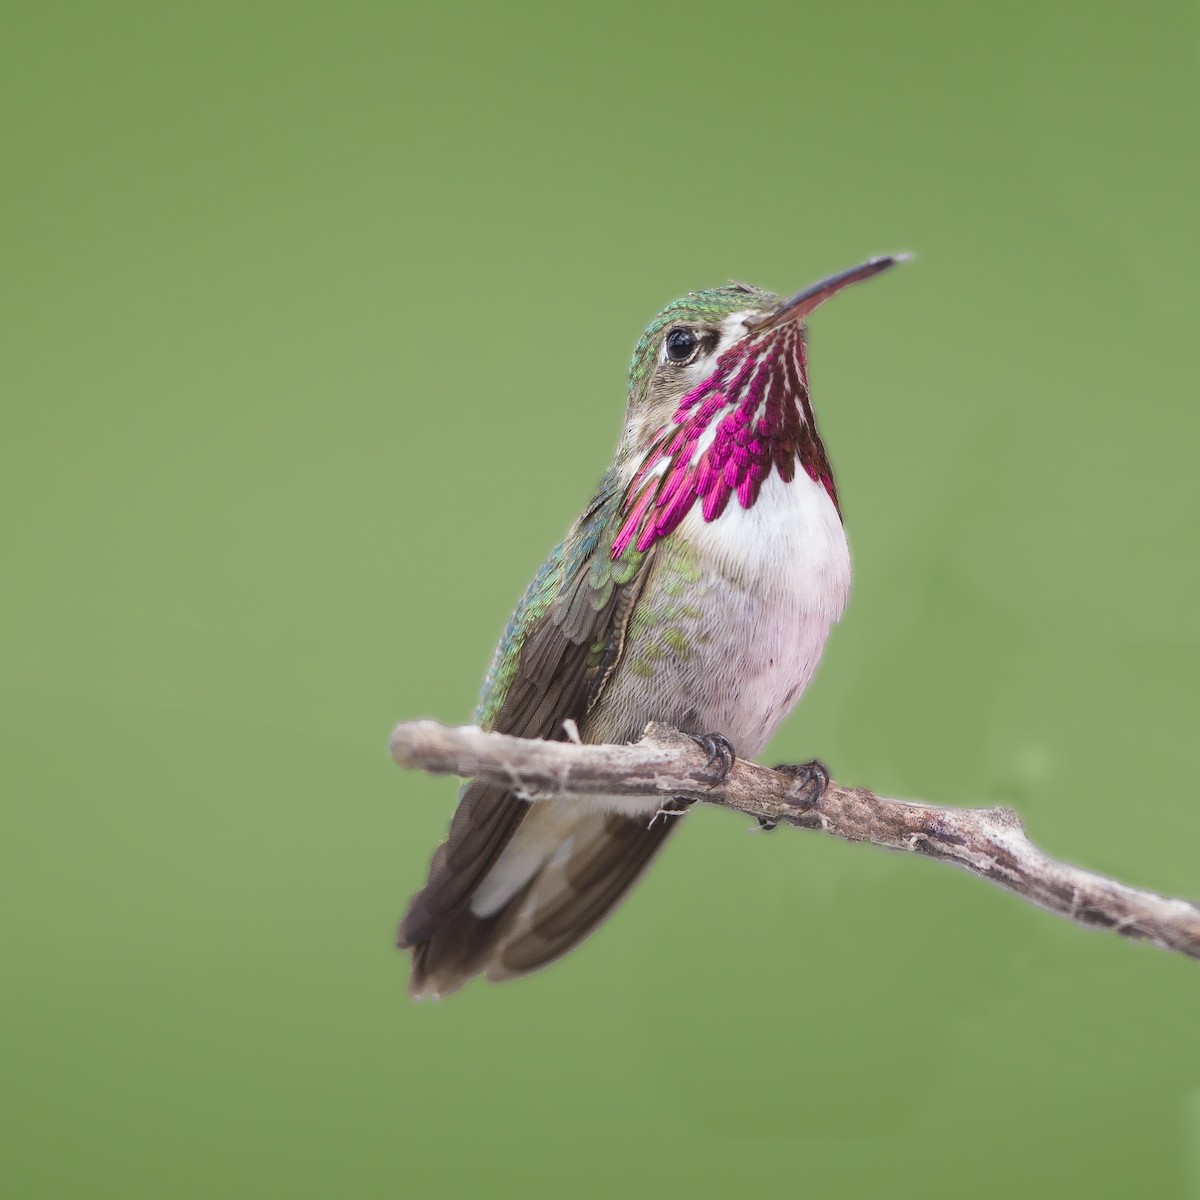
583	551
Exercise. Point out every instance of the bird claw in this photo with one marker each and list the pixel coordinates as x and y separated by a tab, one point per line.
718	747
811	780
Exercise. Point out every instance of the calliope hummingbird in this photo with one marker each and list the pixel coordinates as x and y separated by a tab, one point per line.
697	589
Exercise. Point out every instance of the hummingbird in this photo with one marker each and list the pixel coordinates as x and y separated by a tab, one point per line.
697	589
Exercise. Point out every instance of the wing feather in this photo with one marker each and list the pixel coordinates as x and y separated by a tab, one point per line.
558	652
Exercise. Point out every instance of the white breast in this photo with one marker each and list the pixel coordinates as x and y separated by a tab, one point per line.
789	545
783	567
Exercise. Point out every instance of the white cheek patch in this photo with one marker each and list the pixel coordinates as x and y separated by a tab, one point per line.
733	329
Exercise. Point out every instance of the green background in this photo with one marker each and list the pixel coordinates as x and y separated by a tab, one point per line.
316	320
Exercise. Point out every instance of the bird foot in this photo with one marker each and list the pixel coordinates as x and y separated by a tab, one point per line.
811	780
719	749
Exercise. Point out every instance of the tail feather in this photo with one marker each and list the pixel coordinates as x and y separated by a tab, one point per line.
577	884
456	952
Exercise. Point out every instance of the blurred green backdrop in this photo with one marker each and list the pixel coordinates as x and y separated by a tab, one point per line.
316	319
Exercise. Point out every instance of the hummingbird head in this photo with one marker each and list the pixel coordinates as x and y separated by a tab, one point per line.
718	399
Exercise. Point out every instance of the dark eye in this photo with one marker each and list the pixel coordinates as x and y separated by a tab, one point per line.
681	345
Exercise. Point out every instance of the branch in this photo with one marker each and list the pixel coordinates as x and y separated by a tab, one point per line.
988	842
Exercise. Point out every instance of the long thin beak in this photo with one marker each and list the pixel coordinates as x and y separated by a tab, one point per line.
799	306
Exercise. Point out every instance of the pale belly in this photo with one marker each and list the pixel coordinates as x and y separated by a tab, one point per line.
725	638
732	650
742	674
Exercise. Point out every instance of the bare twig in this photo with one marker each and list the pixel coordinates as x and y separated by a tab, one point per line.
989	842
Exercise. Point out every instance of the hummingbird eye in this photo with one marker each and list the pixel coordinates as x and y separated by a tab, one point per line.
681	346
